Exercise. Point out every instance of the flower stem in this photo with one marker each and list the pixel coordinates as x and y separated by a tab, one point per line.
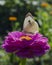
11	58
41	61
23	61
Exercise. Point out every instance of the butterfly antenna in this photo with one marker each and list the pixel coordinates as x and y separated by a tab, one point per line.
29	14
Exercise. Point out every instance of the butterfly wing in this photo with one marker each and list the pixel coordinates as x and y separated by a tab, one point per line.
30	26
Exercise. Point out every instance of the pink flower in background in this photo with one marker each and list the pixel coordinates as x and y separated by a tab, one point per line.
25	45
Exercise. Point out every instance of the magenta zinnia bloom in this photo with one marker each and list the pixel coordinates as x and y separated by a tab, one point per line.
26	45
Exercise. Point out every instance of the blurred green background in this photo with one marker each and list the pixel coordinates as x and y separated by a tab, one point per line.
12	14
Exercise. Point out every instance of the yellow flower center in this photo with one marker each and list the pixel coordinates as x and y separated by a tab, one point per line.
26	38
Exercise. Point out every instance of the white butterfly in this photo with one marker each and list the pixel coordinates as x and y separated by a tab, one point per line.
30	25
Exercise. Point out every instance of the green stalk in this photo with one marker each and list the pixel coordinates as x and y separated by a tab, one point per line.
41	61
12	59
23	61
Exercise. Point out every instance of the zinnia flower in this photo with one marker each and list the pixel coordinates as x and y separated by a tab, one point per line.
50	12
44	4
12	18
26	45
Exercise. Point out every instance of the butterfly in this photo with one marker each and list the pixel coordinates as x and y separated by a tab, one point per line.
30	25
